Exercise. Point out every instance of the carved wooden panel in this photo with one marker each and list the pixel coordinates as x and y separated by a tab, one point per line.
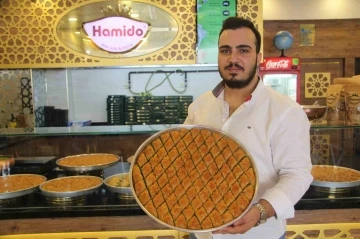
28	34
316	75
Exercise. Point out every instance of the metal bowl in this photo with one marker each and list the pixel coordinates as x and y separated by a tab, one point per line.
314	111
124	192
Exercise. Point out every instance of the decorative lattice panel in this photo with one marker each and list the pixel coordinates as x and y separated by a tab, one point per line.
16	99
324	231
320	149
316	84
39	86
306	231
28	36
251	10
40	95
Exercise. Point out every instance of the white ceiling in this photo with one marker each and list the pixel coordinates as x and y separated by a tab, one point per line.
310	9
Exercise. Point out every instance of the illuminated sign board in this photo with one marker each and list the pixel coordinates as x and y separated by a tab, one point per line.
117	34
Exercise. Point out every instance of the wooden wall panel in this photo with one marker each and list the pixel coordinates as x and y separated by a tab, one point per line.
333	39
318	66
349	66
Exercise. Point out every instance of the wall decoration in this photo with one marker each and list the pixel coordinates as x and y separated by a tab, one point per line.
307	34
320	149
16	98
26	95
40	96
29	37
316	84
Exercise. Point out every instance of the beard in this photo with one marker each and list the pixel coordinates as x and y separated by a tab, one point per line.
234	83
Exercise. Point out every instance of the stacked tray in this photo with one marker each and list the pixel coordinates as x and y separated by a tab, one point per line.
144	110
176	108
115	105
193	179
156	109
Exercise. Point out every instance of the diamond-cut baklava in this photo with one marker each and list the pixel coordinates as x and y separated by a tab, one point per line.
193	178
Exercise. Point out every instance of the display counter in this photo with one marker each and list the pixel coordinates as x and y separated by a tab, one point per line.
104	210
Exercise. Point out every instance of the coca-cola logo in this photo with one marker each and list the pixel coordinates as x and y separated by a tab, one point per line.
116	34
281	64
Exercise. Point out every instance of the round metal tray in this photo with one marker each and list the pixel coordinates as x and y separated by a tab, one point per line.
71	201
70	194
22	192
124	192
335	185
189	127
86	168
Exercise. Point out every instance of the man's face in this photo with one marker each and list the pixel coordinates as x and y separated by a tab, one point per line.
237	58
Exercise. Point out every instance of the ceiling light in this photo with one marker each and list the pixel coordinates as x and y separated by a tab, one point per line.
134	15
72	19
77	32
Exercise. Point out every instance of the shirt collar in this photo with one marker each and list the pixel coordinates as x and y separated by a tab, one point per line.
220	88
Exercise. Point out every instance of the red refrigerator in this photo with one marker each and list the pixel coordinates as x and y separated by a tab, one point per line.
283	75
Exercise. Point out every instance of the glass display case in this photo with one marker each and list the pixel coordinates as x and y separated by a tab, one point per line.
37	153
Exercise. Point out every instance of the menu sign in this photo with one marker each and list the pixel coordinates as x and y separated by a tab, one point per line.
117	34
210	16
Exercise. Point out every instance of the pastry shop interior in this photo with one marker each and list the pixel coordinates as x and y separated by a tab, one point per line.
75	105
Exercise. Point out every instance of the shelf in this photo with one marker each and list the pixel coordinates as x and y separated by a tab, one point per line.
117	130
323	126
85	130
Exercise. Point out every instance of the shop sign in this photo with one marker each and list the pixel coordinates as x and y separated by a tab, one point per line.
117	29
279	63
116	34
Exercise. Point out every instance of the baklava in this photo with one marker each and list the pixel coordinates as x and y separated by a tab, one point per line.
193	178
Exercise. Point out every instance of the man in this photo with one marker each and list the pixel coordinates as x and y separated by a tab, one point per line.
272	127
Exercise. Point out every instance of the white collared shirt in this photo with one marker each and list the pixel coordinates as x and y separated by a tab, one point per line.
276	132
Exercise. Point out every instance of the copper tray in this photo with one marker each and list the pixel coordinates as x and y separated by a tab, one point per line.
162	211
86	168
21	192
328	184
70	194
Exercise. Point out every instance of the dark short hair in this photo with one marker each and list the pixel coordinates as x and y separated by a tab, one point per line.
234	23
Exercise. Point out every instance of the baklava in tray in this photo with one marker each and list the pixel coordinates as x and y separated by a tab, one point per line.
87	162
331	176
193	178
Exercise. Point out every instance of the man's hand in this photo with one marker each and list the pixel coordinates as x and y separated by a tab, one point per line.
249	220
244	224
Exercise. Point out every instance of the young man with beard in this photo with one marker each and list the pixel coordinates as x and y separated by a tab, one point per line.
273	129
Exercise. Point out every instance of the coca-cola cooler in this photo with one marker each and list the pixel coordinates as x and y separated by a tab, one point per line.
283	75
